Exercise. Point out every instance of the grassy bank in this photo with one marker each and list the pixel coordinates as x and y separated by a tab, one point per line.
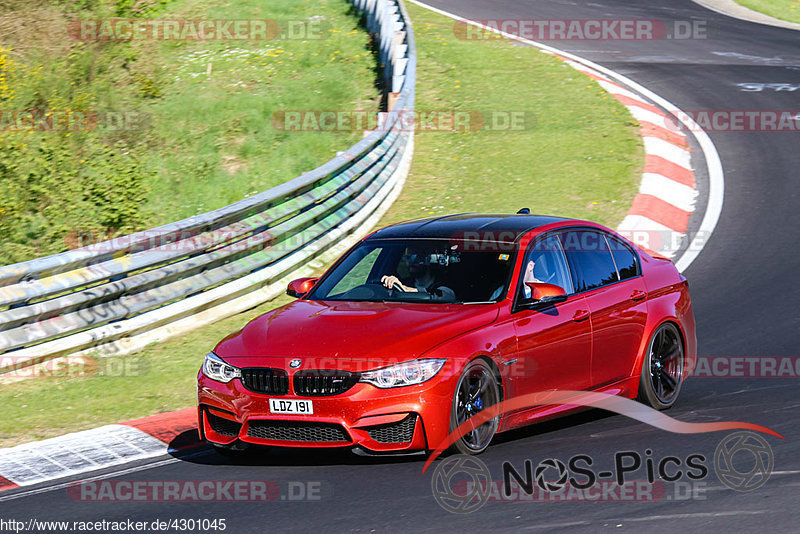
578	155
780	9
182	126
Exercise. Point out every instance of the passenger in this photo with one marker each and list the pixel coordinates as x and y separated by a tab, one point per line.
529	277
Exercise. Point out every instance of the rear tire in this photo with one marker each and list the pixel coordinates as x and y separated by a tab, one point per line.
663	368
476	390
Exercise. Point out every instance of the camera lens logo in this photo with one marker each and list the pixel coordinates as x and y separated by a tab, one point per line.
454	471
752	452
560	480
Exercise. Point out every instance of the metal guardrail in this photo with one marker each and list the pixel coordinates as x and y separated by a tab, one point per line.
119	295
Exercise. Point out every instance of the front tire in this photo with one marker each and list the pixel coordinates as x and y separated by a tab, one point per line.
663	368
476	390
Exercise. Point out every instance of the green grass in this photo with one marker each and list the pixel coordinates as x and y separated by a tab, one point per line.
221	145
580	159
788	10
202	135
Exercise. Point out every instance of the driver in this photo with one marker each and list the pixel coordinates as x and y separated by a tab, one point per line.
421	275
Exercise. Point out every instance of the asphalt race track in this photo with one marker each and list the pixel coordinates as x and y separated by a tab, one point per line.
745	293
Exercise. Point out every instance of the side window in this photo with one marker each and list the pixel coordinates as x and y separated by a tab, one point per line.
546	263
590	259
624	257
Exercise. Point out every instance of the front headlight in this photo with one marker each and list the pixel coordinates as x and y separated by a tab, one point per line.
215	368
403	374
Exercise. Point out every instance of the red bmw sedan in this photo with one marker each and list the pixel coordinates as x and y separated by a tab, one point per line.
424	324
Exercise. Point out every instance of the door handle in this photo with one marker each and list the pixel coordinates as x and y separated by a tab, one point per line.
638	295
580	315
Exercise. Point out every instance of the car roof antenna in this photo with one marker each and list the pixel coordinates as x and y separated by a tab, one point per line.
524	211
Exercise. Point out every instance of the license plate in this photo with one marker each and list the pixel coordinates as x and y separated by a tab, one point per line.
291	406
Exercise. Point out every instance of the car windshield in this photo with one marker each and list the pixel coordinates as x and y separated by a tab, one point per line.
420	270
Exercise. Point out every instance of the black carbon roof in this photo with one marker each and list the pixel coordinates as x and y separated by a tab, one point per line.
498	227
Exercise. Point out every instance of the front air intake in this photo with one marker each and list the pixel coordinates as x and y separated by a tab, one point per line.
298	431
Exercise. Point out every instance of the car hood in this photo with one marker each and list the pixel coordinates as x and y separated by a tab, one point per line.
349	334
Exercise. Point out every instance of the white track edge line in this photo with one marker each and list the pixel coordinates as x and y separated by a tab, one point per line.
104	476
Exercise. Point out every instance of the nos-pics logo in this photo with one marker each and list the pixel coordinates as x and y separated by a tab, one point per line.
743	461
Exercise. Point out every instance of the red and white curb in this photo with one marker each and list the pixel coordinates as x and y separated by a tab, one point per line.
658	220
91	450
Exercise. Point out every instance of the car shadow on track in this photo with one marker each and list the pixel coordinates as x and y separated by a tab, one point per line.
186	447
287	457
552	426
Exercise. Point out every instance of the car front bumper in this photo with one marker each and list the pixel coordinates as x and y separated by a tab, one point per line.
408	418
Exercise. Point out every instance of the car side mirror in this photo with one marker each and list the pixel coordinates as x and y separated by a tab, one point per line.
542	293
301	286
